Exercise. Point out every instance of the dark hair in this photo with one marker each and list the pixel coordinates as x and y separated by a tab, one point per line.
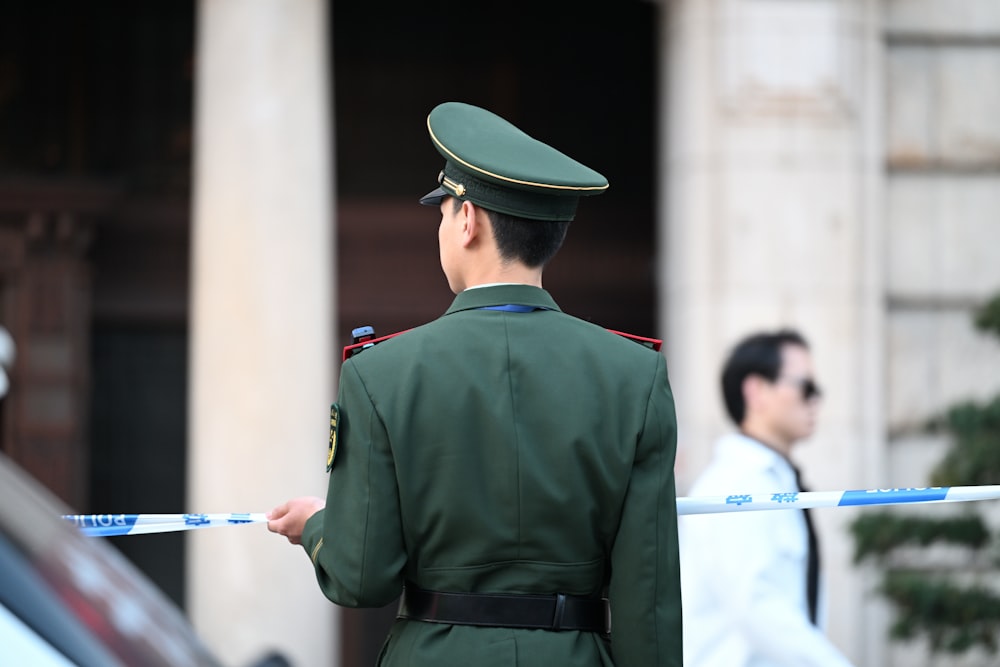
758	354
532	242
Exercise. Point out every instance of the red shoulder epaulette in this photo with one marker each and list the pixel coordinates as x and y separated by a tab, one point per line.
364	341
652	343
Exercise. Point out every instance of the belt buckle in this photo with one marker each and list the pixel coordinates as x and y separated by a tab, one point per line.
557	613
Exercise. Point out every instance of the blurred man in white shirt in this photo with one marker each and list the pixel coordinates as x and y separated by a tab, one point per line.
750	581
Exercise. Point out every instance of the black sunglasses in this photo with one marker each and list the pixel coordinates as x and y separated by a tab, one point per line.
808	386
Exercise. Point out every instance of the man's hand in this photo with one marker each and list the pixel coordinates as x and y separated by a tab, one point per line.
290	519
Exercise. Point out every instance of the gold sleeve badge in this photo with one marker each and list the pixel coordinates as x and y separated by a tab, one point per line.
332	451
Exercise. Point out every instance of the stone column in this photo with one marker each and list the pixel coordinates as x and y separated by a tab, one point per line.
771	181
262	360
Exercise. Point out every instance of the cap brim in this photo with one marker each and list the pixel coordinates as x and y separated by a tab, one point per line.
434	197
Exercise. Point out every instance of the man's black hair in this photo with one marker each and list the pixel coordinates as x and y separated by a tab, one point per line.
758	354
532	242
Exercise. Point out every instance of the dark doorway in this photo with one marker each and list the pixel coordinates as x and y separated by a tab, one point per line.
138	459
96	105
580	76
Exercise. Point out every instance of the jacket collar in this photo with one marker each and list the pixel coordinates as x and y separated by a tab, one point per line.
499	295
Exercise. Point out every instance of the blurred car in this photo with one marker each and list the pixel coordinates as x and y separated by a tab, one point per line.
70	600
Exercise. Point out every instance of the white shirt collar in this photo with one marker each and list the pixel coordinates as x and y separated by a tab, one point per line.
491	285
753	453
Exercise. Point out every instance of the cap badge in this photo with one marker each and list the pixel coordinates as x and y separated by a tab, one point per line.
454	185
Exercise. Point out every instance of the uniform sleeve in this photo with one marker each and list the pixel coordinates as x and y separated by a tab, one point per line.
749	571
356	543
645	589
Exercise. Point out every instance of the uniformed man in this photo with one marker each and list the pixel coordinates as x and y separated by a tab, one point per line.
507	468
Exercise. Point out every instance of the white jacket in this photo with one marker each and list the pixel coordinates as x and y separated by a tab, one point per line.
743	575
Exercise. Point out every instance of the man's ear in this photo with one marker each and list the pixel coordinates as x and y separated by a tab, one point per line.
751	388
472	225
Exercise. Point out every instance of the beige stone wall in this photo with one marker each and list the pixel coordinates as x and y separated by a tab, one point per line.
942	226
835	166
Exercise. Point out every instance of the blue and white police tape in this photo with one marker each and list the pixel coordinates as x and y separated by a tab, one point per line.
751	502
106	525
110	525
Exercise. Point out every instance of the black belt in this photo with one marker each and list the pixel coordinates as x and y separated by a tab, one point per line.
540	612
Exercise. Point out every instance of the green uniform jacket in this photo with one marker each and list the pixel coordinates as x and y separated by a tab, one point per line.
492	451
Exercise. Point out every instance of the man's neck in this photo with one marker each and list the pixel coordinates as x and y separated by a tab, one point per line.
511	274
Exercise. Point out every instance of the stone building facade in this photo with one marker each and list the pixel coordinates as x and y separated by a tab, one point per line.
832	165
835	166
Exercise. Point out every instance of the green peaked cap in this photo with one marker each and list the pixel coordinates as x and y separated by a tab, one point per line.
492	163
